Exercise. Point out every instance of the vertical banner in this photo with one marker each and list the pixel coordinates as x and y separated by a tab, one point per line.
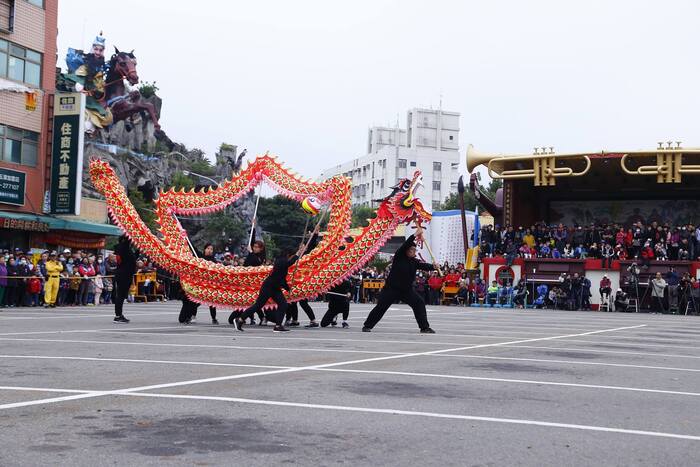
444	233
67	153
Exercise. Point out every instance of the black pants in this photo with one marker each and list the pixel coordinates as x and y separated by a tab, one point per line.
388	296
292	313
121	295
276	316
188	310
336	305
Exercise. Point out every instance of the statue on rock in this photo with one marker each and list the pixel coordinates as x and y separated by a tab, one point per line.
109	98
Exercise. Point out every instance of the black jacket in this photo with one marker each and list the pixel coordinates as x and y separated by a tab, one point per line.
278	277
127	260
253	260
403	269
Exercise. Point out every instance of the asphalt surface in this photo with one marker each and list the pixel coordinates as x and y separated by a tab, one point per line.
492	387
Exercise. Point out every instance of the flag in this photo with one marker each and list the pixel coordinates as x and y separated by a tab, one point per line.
477	227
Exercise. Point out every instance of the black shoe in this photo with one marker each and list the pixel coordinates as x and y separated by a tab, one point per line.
427	331
312	324
294	323
263	322
334	323
345	325
214	321
366	329
279	328
238	324
252	321
121	320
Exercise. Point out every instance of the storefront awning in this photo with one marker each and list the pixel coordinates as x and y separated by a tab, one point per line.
37	222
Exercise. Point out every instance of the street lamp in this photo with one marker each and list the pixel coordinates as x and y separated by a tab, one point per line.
187	172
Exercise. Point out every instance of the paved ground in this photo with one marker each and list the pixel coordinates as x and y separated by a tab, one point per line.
492	387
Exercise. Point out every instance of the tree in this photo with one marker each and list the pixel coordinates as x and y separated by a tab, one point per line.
180	180
495	184
284	220
221	227
202	167
144	209
452	202
360	214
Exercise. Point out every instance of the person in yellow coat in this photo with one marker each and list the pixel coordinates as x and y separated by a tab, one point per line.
53	273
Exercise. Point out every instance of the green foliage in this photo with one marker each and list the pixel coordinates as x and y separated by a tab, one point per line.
495	184
181	180
270	246
144	209
452	202
202	167
378	263
284	220
148	89
360	214
226	147
222	226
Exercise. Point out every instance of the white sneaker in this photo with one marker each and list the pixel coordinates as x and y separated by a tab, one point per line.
193	320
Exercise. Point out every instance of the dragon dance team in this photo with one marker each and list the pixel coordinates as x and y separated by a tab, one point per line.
398	286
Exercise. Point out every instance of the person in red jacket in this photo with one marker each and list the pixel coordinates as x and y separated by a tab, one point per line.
434	285
33	289
452	279
647	255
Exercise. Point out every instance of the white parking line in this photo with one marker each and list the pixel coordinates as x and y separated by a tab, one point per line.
422	414
298	369
586	350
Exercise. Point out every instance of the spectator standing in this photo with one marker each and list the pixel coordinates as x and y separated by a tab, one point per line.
87	272
52	270
3	281
34	289
658	287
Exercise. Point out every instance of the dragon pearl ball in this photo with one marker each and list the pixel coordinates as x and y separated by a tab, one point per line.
311	205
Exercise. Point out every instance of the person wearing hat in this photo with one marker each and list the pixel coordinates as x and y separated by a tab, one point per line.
399	286
53	274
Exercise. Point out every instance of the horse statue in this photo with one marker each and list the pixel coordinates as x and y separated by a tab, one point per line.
123	104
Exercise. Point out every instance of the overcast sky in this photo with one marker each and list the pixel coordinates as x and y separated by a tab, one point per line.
305	79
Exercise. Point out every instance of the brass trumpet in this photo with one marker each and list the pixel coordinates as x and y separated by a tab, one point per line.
543	171
669	163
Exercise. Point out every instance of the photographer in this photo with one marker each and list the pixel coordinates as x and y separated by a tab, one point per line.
622	301
658	287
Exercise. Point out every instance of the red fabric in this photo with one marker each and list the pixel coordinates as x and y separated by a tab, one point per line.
648	253
435	283
34	285
452	280
86	270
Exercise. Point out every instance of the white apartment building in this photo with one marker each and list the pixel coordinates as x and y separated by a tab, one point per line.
430	143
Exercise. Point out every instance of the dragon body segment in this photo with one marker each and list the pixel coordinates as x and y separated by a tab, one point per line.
337	255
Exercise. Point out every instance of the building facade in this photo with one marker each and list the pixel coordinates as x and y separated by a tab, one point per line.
429	143
28	32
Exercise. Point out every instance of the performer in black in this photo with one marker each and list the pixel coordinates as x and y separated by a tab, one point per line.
292	315
338	302
399	286
123	276
272	288
256	257
189	308
209	256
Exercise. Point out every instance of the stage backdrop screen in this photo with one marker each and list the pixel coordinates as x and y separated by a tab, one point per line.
675	212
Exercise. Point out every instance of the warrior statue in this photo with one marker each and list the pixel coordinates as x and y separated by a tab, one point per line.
109	87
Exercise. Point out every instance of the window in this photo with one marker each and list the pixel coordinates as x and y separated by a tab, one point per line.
7	15
402	163
413	163
39	3
437	166
436	186
19	146
452	137
20	64
436	205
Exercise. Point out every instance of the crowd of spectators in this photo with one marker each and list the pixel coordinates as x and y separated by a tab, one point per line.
86	279
608	242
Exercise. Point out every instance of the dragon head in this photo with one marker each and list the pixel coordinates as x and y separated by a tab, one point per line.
403	204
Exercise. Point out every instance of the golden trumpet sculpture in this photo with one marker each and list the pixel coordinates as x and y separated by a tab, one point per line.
668	168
